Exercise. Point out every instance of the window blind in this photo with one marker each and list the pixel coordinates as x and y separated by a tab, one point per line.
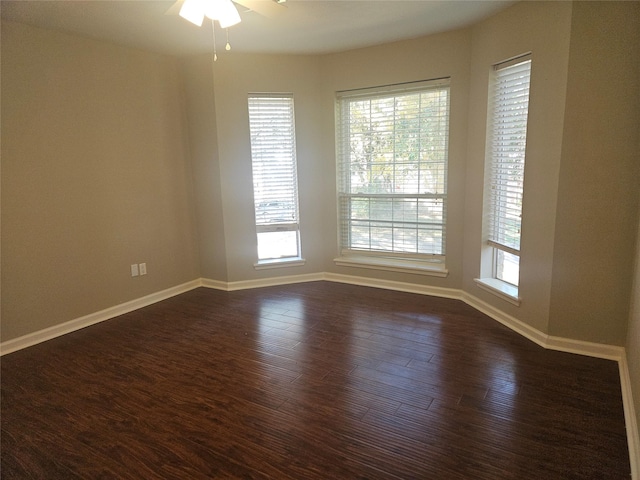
392	150
273	154
506	150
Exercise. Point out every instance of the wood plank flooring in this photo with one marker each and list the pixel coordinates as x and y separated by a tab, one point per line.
310	381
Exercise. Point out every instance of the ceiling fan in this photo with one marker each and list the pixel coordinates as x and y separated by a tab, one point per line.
225	11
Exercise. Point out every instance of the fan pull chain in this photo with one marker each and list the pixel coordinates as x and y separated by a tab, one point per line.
213	35
228	45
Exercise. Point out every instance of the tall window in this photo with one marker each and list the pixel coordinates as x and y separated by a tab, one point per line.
507	139
392	147
275	184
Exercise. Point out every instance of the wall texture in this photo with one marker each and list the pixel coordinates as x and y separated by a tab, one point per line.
95	177
427	58
516	31
236	76
599	177
113	156
205	162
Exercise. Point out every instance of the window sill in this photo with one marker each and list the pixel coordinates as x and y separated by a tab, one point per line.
279	263
501	289
394	265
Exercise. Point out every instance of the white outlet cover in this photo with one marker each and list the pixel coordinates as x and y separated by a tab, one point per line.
134	270
143	268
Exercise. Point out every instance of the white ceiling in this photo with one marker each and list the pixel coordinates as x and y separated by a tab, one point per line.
301	27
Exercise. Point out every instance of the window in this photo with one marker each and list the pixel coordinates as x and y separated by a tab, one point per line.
275	184
392	149
506	145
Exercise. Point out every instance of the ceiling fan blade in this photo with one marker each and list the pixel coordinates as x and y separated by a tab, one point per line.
175	8
267	8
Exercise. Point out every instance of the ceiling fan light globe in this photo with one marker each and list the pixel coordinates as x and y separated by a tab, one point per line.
229	21
224	11
193	12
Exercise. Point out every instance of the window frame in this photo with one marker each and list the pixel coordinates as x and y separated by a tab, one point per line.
395	259
498	207
262	158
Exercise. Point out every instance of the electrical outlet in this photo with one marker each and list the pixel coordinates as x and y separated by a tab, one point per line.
134	270
143	268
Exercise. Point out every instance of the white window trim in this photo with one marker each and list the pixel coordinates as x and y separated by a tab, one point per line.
434	268
279	226
420	263
500	288
493	285
279	263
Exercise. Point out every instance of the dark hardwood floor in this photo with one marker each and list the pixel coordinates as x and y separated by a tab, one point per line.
309	381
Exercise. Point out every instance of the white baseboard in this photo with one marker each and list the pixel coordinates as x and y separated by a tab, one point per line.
215	284
591	349
598	350
630	419
397	286
93	318
513	323
261	282
274	281
555	343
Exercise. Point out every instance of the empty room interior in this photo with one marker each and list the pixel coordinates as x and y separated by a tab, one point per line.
308	255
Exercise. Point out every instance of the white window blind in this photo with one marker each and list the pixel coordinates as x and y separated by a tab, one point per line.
506	153
392	149
275	185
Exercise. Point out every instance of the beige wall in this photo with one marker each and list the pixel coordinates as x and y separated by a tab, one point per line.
438	56
236	75
599	183
541	28
203	143
95	172
95	177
